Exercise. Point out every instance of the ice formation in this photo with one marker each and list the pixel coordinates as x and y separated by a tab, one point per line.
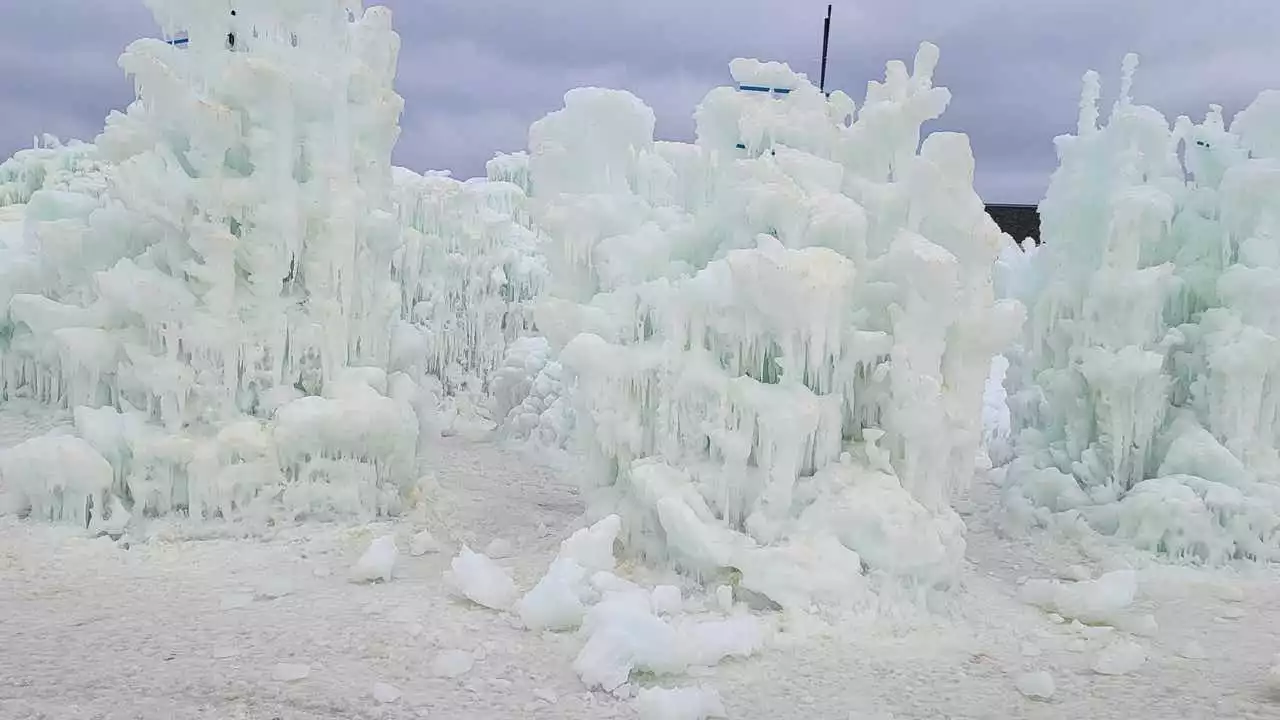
776	338
1146	396
246	306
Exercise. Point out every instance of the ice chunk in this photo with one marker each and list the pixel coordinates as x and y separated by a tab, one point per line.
499	548
1121	657
667	600
452	663
291	672
385	694
378	561
624	635
481	580
423	543
556	602
1036	685
593	547
691	703
1193	650
1092	601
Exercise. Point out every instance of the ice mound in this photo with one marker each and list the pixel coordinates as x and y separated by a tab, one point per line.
735	315
1144	395
56	478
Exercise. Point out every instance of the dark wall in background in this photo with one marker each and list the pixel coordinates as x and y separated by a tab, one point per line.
1020	221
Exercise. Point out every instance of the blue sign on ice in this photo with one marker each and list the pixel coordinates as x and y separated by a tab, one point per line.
764	89
179	40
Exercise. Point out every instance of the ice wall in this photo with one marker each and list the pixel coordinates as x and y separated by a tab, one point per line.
244	255
1146	390
777	336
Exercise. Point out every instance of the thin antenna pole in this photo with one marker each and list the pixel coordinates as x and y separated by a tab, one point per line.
826	39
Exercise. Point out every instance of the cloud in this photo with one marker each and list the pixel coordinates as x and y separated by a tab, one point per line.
475	74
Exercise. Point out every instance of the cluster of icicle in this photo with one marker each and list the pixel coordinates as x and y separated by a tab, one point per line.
469	271
236	318
1147	393
777	336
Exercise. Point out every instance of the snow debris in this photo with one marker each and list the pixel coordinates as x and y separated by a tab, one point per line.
1121	657
378	561
692	703
1036	685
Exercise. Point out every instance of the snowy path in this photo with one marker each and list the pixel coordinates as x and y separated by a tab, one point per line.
199	629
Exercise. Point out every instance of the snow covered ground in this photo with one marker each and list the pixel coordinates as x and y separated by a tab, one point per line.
188	626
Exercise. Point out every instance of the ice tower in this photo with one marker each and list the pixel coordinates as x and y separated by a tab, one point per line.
777	336
1146	390
240	259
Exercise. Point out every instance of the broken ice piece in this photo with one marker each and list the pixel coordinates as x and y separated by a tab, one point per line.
385	694
724	598
290	672
482	581
236	600
666	600
1121	657
1036	685
274	589
1193	651
546	696
424	543
378	562
695	703
452	664
499	548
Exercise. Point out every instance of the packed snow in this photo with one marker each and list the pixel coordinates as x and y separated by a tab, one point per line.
775	423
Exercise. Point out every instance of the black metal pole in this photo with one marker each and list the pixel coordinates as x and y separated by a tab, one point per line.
826	38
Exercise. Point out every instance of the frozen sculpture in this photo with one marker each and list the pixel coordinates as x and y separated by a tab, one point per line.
776	337
237	297
1147	391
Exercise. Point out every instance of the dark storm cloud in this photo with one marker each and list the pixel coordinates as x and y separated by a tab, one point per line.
475	74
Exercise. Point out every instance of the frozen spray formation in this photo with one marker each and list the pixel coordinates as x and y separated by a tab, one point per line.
245	307
778	335
1147	392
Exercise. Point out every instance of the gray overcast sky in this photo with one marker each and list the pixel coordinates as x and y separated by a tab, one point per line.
475	73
